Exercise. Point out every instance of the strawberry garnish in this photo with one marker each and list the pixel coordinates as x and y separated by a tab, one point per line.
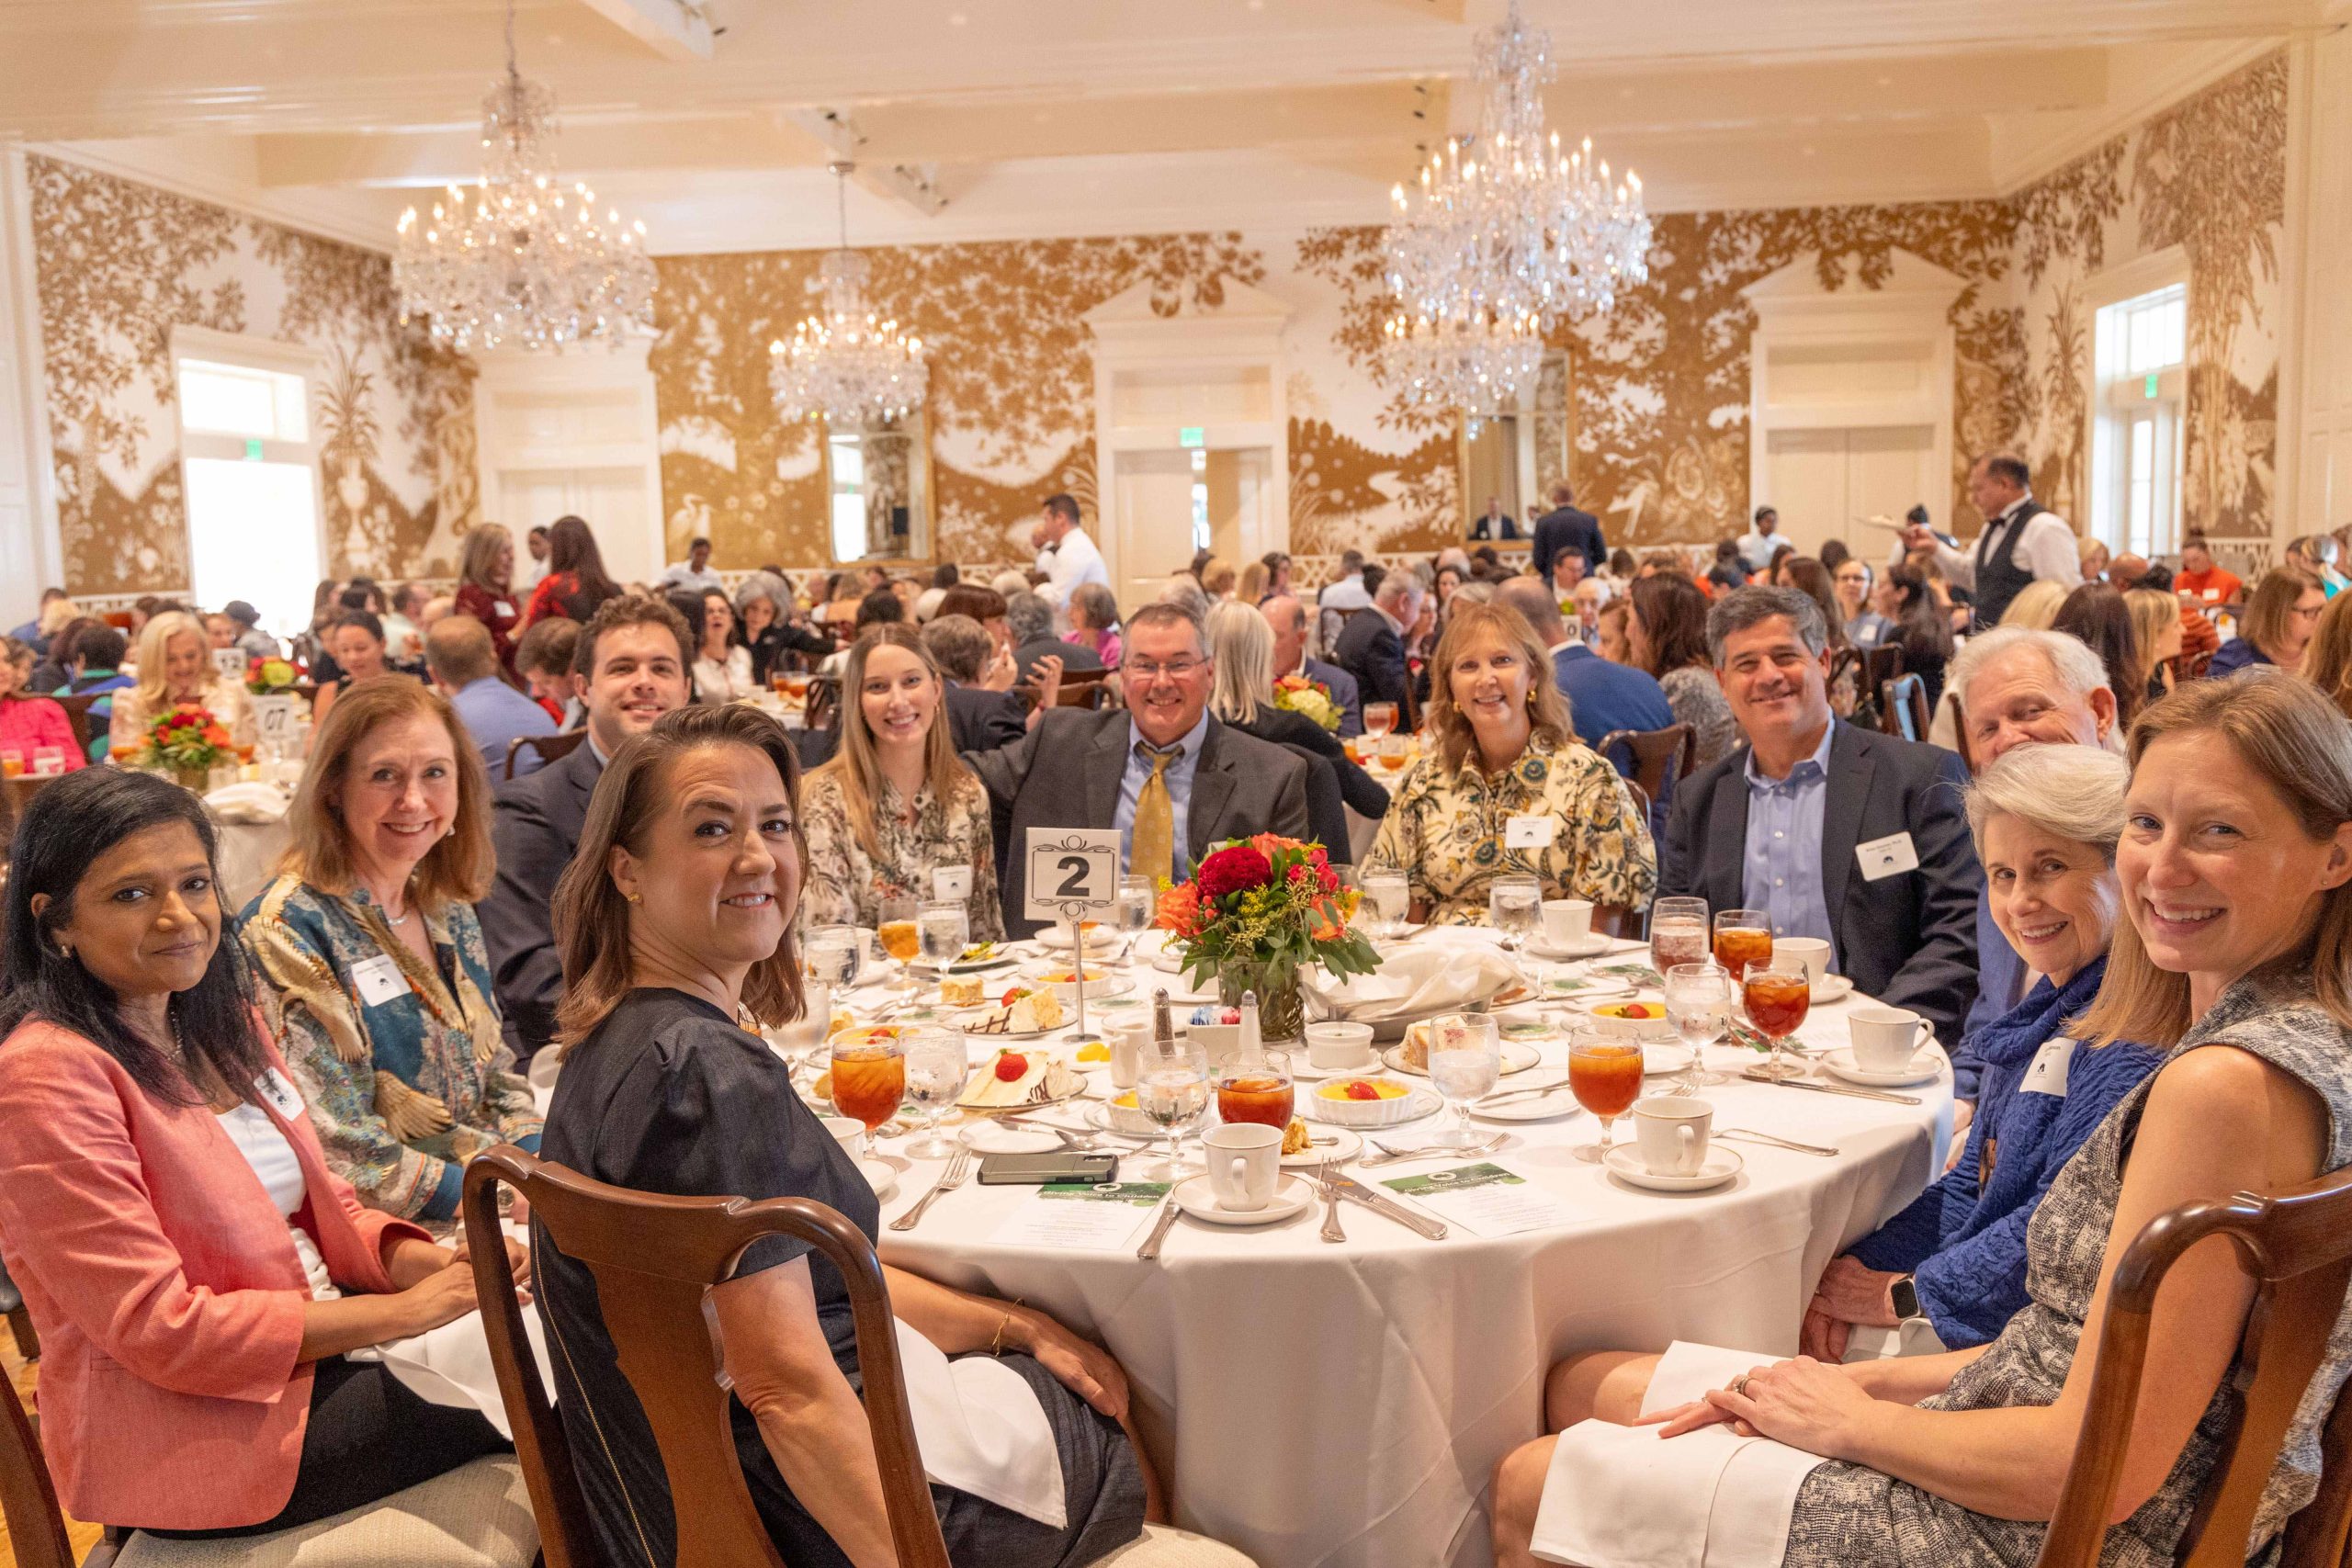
1011	1066
1356	1088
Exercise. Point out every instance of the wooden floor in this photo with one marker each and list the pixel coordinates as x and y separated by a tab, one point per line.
20	1379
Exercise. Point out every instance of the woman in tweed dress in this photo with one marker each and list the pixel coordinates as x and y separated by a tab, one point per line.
2235	865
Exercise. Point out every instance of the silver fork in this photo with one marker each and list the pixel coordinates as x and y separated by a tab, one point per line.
1331	1229
958	1167
1389	1156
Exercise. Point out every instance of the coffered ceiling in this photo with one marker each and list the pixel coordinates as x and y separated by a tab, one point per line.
713	121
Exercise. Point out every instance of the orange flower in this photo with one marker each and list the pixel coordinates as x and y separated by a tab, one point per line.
215	736
1180	908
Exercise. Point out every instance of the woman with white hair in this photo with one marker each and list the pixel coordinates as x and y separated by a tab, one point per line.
1242	646
763	610
175	671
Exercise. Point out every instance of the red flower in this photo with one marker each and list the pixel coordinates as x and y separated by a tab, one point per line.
1232	870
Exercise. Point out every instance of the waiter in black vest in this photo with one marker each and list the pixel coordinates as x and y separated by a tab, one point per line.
2021	542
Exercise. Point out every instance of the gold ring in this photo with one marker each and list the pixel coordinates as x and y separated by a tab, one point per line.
1737	1384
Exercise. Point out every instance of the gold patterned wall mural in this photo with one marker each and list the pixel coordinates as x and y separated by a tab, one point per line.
117	264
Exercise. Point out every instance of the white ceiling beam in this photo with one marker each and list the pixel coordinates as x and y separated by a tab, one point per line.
909	183
675	29
589	150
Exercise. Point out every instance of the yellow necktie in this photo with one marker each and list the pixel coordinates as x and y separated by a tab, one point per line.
1153	852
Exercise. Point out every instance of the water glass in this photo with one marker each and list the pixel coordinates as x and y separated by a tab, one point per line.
1678	933
1698	1001
937	1070
1742	937
1605	1076
1379	719
833	954
1173	1092
1515	907
894	927
944	930
1138	903
869	1081
1465	1060
1390	894
1778	995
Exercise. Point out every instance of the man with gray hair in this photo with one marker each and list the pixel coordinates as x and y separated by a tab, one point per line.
1372	644
1030	620
1832	831
1286	618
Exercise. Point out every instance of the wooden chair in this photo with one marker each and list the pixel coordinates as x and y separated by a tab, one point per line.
824	702
2299	1248
1621	921
551	749
1903	708
77	714
1656	756
1082	689
28	1497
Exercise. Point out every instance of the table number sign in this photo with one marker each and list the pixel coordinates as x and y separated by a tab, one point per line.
229	663
274	719
1073	877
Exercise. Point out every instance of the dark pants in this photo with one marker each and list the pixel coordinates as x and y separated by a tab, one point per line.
367	1438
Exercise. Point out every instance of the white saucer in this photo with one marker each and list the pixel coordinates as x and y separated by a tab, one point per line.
880	1175
1516	1055
1347	1147
1169	964
1926	1065
1624	1162
1831	989
1292	1196
1593	946
990	1137
1534	1108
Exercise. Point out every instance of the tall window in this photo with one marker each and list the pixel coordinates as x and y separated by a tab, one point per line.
849	541
2139	382
249	464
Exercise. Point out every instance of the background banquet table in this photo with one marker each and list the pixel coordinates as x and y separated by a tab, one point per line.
1324	1405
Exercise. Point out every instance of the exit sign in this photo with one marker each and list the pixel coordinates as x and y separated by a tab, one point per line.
1190	435
2151	386
253	450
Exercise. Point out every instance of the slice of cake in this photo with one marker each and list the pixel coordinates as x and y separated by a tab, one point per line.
960	991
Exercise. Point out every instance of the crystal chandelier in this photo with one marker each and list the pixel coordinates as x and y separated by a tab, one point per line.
523	261
1500	237
844	364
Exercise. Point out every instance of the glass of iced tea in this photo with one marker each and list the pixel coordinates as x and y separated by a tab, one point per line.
869	1081
1605	1075
1742	937
1379	719
1259	1092
1778	995
1678	933
896	931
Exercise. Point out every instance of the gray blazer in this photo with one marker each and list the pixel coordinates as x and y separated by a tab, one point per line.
1065	773
535	824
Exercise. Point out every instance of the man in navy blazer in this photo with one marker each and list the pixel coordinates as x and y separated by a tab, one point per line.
1287	619
1603	696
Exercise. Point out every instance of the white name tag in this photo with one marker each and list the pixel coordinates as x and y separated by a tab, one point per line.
1889	856
276	1092
379	979
1530	833
951	883
2048	1073
504	606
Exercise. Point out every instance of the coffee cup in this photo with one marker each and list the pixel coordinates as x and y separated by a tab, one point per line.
1567	923
846	1131
1810	951
1244	1158
1670	1134
1338	1046
1885	1039
1127	1041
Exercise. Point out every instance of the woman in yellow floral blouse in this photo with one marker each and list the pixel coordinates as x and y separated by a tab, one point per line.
1502	749
895	806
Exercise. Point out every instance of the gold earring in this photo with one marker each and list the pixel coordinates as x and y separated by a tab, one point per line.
633	898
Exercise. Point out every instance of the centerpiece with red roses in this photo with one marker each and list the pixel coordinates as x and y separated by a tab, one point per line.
265	677
1257	911
190	742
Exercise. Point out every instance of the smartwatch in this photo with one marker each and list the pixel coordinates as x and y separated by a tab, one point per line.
1906	1297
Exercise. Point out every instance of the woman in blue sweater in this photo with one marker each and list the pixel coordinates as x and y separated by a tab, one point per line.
1949	1270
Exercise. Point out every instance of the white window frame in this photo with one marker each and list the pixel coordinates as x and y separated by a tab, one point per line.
206	346
2113	403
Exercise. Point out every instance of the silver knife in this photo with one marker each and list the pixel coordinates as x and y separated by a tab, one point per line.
1826	1088
1379	1204
1151	1247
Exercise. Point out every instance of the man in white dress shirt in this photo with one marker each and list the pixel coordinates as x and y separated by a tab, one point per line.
692	575
1763	542
2022	543
1068	557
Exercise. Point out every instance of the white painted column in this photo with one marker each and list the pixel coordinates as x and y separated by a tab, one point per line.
2315	366
31	557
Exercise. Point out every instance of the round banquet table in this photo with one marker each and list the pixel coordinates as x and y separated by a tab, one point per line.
1322	1406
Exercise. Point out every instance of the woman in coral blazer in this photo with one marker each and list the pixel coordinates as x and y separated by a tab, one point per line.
194	1270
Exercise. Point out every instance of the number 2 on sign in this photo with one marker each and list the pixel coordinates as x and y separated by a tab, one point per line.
1074	869
1073	873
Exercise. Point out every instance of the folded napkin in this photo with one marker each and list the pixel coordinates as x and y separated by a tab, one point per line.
450	1365
1414	985
252	805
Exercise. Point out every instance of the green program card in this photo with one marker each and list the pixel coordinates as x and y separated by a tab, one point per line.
1140	1194
1437	1183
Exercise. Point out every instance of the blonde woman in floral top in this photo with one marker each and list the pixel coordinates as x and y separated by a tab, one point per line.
895	805
368	941
1503	748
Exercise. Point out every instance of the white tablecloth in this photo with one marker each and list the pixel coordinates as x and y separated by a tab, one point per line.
1323	1406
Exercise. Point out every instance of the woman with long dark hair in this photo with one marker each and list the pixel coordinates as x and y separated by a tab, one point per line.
2096	614
1922	625
1667	635
575	583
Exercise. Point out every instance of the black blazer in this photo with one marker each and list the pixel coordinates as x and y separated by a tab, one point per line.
1357	789
535	824
1908	939
982	720
1568	529
1370	649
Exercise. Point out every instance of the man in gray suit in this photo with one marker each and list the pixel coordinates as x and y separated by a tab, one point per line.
1107	769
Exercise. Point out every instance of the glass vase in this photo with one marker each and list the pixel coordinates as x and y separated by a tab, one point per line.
1282	1010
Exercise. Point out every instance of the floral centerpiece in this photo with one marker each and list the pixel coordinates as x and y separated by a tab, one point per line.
1296	693
1256	913
189	741
268	677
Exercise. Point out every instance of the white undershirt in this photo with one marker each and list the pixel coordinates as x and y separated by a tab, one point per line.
272	1158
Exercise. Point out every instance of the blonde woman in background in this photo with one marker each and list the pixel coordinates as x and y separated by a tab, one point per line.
2280	615
2093	556
2035	606
2155	636
175	671
1219	579
2327	663
1254	578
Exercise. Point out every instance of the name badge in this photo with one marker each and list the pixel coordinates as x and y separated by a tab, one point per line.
1890	856
504	606
2048	1073
951	883
379	979
276	1092
1530	832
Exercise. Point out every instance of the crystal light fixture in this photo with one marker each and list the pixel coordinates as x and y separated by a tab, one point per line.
1500	237
522	260
845	365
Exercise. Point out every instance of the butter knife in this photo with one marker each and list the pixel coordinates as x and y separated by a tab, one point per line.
1826	1088
1149	1250
1349	1187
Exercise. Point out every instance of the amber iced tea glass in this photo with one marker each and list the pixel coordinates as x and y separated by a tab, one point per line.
1742	937
1605	1076
1778	997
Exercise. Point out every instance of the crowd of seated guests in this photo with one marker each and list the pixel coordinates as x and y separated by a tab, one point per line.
30	723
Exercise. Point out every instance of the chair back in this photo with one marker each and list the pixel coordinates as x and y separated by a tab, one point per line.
28	1497
2298	1246
1650	757
77	714
1082	689
550	748
654	1258
1326	809
1881	664
824	702
1903	707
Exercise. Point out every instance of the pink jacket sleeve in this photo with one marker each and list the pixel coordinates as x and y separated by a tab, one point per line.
74	1203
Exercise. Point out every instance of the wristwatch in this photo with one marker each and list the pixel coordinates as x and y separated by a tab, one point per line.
1905	1296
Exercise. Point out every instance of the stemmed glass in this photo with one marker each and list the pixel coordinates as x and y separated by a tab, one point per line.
895	928
1698	1001
1778	997
936	1069
1173	1091
831	957
1391	896
944	930
1678	933
1514	907
1139	902
1379	719
1465	1060
1742	937
1605	1076
869	1081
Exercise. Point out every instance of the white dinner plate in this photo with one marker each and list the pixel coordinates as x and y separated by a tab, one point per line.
1533	1107
989	1138
1592	946
1118	1120
1517	1057
880	1175
1195	1197
1831	989
1345	1144
1925	1066
1624	1162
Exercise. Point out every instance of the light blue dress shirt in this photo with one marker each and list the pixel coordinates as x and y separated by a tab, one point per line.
1179	794
1781	872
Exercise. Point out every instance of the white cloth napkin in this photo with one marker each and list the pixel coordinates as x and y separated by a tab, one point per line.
252	805
1624	1497
1417	983
450	1365
981	1430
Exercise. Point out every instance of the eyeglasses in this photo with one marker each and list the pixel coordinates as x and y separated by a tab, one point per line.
1176	670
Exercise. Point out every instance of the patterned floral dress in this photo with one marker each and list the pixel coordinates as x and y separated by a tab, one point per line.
1849	1516
846	885
1445	830
401	1063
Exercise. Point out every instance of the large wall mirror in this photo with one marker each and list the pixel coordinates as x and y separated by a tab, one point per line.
1507	462
877	490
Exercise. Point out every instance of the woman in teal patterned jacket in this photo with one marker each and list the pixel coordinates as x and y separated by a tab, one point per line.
369	940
